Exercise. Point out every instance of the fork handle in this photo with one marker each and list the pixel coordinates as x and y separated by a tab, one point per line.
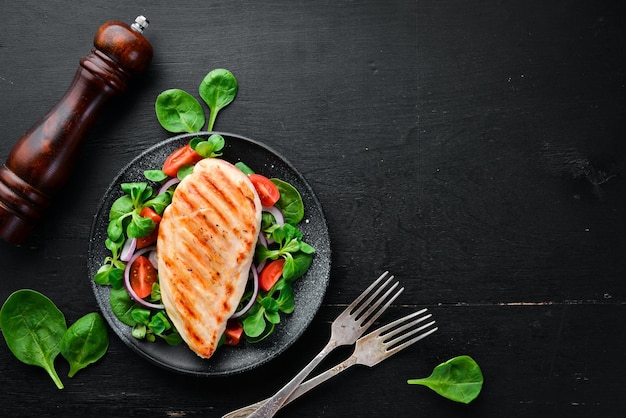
246	411
273	404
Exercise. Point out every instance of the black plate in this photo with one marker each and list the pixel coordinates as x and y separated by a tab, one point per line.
309	290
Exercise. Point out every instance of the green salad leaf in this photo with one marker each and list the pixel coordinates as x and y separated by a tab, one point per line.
85	342
459	379
218	89
33	326
178	111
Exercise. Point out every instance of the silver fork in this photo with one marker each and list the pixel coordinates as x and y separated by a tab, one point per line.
370	350
345	330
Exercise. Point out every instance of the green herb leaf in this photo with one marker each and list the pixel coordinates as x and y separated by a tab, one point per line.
285	300
108	274
155	175
141	315
121	207
244	168
173	338
297	266
178	111
139	226
254	324
33	326
211	147
184	171
459	379
159	323
139	331
218	88
159	202
85	342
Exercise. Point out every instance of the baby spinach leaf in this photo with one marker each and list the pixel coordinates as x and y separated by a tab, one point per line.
122	306
85	342
290	202
178	111
459	379
33	326
218	88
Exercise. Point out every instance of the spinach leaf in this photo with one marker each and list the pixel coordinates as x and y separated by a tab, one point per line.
290	202
218	88
178	111
85	342
33	326
122	306
459	379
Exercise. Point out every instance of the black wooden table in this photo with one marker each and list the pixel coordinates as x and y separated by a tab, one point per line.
474	149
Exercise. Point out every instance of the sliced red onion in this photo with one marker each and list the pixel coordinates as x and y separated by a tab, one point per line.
255	292
153	259
129	288
168	184
128	249
276	213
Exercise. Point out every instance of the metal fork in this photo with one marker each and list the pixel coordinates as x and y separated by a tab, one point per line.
370	350
345	330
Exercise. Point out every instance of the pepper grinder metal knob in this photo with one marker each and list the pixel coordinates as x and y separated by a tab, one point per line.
41	161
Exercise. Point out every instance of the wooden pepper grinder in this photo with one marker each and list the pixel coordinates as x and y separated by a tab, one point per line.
41	161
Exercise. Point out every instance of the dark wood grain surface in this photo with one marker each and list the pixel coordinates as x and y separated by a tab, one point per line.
474	149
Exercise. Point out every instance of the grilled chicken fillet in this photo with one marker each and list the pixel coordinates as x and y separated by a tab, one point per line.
205	247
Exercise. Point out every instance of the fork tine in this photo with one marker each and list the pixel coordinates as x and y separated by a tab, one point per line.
368	317
357	302
387	335
412	341
374	312
383	330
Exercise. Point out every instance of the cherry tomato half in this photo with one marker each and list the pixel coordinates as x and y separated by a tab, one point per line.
233	333
271	273
142	276
267	191
184	155
150	239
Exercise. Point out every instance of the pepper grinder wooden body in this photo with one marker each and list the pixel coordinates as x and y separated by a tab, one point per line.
42	160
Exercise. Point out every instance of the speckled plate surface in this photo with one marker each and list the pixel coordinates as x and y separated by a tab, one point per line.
309	290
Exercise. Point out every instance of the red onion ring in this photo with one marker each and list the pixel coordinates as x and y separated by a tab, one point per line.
276	213
128	249
153	259
255	292
129	288
168	184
